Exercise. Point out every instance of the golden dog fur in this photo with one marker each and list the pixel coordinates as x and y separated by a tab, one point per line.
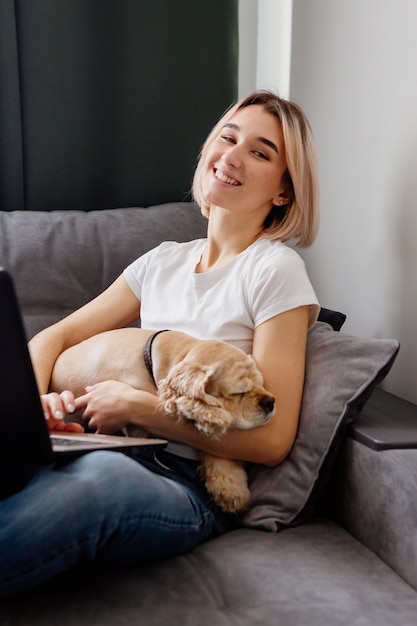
211	383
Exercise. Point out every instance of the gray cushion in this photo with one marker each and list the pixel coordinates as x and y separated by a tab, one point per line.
341	372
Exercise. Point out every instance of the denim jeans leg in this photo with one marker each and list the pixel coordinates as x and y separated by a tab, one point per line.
103	506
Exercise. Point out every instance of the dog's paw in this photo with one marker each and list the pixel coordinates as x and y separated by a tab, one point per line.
231	502
226	482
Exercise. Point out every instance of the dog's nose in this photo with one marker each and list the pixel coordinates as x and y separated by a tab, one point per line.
267	403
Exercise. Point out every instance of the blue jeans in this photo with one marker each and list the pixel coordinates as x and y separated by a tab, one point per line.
104	507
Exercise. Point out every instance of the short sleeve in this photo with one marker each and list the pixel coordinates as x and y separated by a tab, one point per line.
135	273
280	284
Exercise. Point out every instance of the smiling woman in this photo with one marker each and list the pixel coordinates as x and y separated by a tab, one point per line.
294	211
245	164
241	285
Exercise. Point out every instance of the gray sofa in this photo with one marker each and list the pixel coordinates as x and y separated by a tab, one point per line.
330	535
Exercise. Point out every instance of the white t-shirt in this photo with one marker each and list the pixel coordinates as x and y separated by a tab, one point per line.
227	303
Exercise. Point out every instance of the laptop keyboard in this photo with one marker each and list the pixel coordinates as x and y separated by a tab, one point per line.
67	441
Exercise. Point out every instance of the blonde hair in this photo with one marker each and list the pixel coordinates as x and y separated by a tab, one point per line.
298	219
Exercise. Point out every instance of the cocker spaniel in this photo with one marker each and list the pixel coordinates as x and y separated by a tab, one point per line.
211	383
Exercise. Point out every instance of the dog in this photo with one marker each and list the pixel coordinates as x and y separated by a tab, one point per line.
211	383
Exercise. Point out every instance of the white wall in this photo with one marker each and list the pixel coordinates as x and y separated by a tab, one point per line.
265	45
353	70
248	43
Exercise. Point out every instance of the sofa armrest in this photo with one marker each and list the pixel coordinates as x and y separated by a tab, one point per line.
387	421
374	491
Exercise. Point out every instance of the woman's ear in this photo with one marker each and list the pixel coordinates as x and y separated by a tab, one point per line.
281	199
285	194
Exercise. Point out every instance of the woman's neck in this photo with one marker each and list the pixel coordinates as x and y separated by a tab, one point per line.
226	238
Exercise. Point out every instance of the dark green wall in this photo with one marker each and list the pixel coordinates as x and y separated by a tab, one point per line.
105	103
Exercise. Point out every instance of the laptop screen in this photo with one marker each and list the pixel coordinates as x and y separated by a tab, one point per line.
24	434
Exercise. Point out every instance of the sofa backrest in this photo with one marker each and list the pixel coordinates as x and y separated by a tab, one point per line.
61	259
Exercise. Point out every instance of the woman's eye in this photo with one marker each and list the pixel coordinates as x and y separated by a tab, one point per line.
228	138
260	154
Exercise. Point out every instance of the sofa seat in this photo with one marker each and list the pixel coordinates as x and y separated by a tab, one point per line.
313	574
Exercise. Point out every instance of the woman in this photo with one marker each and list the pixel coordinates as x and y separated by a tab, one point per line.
256	183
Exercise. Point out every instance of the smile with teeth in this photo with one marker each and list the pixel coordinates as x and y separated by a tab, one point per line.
226	179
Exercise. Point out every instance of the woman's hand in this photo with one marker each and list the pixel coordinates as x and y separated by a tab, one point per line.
55	407
107	406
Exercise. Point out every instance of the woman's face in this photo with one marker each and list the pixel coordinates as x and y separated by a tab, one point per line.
245	163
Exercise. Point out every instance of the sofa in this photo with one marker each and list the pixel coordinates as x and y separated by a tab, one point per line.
329	537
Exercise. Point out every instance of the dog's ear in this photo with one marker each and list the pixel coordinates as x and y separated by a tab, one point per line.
184	391
211	421
186	379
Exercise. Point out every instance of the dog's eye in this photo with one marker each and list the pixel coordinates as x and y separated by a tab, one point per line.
241	392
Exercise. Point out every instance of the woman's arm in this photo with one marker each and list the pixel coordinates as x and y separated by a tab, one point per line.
279	350
116	307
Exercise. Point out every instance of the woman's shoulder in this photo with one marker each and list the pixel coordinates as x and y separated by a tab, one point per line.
169	250
181	247
274	253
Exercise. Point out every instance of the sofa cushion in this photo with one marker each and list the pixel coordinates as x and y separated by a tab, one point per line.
334	318
341	372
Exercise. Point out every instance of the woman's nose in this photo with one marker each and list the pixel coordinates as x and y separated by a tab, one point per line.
232	156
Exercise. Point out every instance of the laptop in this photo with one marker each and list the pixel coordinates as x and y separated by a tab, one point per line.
25	439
